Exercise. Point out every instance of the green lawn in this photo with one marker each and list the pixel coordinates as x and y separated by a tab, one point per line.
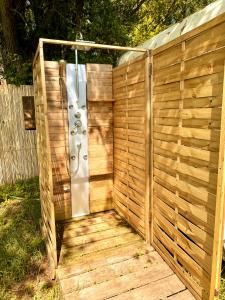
23	266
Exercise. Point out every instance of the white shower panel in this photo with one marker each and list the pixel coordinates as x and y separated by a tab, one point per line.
78	139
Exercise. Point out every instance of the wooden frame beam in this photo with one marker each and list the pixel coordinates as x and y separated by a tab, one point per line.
91	45
84	44
148	88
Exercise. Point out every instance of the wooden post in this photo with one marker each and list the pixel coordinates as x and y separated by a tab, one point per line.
219	212
147	143
50	226
151	209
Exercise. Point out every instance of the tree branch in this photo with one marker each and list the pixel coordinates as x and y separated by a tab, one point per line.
138	5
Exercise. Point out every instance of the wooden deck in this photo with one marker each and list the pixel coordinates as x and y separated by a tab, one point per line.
101	257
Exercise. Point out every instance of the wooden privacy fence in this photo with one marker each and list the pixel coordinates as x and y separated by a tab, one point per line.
18	158
187	152
188	155
131	143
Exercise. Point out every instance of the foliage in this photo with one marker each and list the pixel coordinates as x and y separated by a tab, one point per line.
122	22
222	284
22	251
19	71
222	289
162	14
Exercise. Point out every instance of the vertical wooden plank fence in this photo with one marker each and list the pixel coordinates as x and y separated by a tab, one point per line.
18	157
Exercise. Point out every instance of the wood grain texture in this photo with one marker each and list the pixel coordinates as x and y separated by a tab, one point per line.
99	82
100	136
55	73
131	90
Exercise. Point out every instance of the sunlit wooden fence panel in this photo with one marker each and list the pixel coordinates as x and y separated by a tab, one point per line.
188	77
131	141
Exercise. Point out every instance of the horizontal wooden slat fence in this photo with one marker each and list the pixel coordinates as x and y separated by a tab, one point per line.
56	97
130	92
18	157
188	78
100	136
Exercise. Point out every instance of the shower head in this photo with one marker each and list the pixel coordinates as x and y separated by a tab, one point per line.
84	46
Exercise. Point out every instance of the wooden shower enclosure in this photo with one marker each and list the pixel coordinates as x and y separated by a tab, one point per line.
156	133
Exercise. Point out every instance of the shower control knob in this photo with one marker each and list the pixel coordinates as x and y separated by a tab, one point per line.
73	157
70	106
78	123
77	115
85	157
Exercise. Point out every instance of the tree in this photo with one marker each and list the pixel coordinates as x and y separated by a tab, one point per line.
23	22
159	14
10	43
119	22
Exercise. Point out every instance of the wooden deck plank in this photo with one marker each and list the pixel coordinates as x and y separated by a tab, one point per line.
98	218
81	219
85	230
158	289
107	272
73	252
101	257
95	237
121	284
185	295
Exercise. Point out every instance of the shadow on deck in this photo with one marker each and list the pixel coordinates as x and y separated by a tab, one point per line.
101	257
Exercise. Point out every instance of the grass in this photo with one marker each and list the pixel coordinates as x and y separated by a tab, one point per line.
23	265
